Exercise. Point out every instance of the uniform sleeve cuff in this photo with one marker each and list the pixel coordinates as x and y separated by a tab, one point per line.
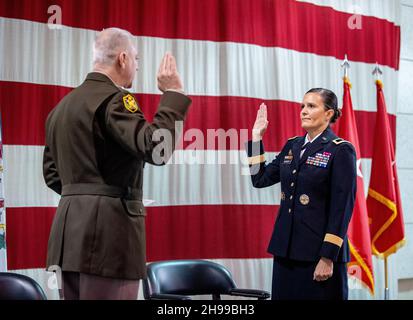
331	247
256	160
332	238
173	90
254	148
175	101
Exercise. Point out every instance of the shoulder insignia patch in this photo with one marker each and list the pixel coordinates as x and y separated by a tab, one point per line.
130	103
340	141
292	138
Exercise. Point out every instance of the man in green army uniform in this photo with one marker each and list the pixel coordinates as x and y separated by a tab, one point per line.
97	142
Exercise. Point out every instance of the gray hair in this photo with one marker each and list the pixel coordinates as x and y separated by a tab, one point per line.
109	43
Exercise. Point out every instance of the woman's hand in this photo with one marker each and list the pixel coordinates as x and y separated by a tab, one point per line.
323	270
261	123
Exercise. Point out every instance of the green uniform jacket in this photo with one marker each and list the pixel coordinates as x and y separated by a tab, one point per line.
97	142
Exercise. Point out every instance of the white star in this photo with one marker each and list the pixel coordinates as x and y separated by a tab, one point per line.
358	165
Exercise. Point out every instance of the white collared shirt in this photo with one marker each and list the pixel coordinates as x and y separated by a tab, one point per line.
306	140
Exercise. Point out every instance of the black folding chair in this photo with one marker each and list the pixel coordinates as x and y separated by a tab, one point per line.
15	286
180	279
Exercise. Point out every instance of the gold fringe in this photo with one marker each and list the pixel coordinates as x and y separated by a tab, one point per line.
392	207
363	265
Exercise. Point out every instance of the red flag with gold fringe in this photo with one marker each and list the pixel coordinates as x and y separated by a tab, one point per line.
358	231
383	200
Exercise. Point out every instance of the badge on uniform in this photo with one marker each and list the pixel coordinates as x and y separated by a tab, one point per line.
130	103
288	158
320	159
304	199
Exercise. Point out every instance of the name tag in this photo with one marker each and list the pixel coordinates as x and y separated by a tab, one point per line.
288	159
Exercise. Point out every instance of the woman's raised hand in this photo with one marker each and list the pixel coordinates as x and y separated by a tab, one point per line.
261	123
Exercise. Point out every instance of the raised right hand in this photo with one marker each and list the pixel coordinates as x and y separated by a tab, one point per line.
261	123
168	76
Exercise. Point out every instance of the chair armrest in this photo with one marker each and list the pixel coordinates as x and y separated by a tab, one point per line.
165	296
250	293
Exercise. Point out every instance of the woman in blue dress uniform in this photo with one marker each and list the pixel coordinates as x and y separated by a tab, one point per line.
318	186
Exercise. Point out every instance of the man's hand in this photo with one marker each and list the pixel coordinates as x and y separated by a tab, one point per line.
323	270
168	76
261	123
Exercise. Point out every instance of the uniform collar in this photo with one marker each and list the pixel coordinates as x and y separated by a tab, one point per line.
99	76
323	137
307	138
326	136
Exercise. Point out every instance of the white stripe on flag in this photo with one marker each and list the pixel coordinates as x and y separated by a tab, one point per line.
214	183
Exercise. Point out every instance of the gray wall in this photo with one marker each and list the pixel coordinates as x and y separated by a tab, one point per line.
404	151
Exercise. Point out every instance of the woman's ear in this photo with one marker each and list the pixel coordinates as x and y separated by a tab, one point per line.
329	114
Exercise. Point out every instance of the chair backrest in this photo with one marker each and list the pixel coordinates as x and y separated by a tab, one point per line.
187	277
15	286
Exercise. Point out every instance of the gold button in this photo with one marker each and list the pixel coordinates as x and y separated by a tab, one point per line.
289	210
292	184
294	171
304	199
291	197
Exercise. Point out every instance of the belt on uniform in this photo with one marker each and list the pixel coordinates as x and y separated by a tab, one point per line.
99	189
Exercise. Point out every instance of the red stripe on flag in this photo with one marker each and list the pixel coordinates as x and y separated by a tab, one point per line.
210	231
173	232
288	24
27	234
25	107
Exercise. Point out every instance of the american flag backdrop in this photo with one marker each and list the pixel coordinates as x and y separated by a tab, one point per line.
232	55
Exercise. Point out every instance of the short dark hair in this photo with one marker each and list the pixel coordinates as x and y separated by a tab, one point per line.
330	101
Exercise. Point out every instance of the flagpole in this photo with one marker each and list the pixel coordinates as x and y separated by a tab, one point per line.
377	73
359	237
386	281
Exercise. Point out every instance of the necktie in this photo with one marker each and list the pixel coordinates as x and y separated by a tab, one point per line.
305	146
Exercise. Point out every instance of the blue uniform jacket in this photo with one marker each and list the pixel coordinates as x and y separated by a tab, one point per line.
317	196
